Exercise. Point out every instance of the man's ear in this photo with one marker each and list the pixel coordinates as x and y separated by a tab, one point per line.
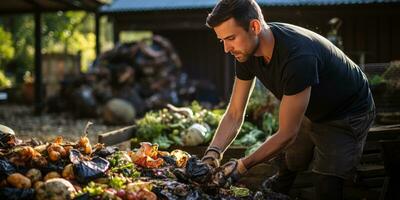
255	26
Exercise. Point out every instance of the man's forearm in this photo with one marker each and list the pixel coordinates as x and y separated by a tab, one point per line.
226	131
270	148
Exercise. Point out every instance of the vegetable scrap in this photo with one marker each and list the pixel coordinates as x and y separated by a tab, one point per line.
78	170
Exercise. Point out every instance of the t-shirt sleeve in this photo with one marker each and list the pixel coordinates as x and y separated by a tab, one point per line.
300	73
242	71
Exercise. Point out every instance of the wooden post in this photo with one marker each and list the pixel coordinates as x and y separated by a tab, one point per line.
97	32
116	32
38	64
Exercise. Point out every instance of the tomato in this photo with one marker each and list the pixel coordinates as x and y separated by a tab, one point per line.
121	193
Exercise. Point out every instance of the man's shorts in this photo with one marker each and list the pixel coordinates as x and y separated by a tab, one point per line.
330	148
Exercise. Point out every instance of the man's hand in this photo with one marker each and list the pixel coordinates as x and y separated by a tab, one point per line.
229	173
212	157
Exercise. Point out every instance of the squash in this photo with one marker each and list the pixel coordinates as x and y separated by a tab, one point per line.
194	135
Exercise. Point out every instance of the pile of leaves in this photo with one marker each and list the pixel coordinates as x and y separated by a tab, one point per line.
78	170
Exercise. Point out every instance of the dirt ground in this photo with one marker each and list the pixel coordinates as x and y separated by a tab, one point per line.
47	126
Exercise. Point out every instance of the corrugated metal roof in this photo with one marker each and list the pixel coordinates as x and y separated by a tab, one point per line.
148	5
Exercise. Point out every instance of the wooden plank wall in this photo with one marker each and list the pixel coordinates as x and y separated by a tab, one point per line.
372	29
203	57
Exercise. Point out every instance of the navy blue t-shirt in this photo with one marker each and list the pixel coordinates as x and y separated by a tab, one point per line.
302	58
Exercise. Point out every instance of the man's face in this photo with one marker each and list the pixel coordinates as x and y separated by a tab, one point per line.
240	43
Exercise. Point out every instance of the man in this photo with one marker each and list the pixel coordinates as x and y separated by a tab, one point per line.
326	107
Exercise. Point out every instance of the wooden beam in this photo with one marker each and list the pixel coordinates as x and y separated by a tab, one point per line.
117	136
73	4
33	3
116	32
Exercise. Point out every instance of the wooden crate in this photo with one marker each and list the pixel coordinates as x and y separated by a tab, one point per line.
370	175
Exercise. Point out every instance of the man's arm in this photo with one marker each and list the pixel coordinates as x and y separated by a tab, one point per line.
234	115
291	112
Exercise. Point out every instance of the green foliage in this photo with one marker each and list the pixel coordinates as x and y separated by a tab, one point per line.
250	138
4	81
7	51
93	189
376	80
253	147
239	191
21	28
269	123
117	182
392	72
120	164
6	48
149	126
246	128
163	141
392	77
165	126
258	98
69	32
134	36
196	107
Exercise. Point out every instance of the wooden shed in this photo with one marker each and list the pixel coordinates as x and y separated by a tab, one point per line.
37	7
369	29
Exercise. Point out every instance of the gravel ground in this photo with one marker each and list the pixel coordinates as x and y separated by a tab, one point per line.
47	126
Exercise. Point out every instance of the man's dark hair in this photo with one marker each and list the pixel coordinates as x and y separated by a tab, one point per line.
243	11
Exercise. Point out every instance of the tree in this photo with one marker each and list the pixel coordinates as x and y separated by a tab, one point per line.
69	32
6	53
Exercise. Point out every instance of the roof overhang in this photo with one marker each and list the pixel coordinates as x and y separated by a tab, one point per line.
134	6
29	6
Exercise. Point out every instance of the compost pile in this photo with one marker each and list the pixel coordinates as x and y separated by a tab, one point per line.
78	170
178	126
194	125
128	81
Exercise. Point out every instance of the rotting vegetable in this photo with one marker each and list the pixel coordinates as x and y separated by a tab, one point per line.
145	173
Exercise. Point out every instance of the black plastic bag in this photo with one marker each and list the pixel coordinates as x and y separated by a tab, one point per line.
180	174
6	168
86	171
198	171
16	193
104	152
169	160
53	166
195	195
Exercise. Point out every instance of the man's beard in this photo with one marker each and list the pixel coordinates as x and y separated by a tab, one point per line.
253	51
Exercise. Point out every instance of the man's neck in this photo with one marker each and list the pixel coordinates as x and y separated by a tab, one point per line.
267	43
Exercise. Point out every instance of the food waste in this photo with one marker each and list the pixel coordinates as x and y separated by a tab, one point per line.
61	169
